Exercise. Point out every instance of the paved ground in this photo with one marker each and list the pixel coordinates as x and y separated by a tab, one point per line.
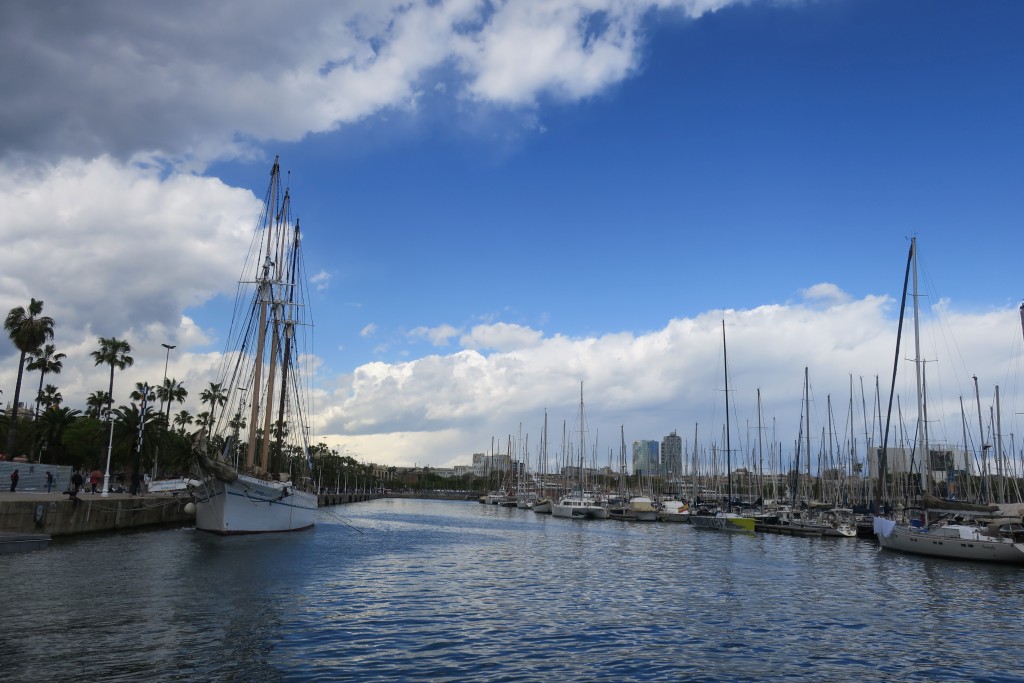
40	496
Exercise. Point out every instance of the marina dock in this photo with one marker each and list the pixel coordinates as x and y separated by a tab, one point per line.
56	514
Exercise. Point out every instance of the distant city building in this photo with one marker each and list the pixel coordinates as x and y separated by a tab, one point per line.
944	461
645	457
672	455
487	465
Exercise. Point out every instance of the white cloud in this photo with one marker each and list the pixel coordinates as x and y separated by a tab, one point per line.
670	379
141	82
117	250
321	281
438	336
368	330
825	293
500	337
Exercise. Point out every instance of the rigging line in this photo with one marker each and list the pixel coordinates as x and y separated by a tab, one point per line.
341	519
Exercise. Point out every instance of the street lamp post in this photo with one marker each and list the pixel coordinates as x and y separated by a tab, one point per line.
110	447
167	358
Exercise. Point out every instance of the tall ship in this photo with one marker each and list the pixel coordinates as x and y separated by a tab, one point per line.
254	455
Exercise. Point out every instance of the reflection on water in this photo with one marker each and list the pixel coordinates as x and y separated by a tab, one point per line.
449	591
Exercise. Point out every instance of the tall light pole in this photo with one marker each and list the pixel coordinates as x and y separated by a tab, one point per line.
167	358
110	449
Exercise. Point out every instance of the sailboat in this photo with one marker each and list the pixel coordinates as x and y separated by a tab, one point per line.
543	503
962	530
725	520
580	504
254	459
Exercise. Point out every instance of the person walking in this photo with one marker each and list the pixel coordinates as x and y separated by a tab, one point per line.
94	479
49	481
14	480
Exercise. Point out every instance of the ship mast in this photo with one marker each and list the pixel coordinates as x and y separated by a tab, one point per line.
728	446
289	333
922	416
265	296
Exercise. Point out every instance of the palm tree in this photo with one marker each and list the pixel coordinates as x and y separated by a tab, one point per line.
96	404
127	421
50	397
203	419
237	423
172	391
113	352
28	330
52	425
214	395
143	388
182	420
45	359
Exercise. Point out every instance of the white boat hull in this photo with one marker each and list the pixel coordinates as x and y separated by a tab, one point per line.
578	509
954	542
251	506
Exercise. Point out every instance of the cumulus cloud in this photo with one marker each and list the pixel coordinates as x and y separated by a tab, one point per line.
321	281
825	293
114	249
188	83
667	379
438	336
500	337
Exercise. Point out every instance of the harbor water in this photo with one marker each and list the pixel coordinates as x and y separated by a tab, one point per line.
417	590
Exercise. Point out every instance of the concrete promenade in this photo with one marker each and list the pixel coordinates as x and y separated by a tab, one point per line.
56	514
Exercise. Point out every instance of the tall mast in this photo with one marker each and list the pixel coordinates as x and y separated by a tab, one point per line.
922	417
264	297
728	445
807	432
289	333
1022	317
693	470
998	442
760	451
622	459
582	439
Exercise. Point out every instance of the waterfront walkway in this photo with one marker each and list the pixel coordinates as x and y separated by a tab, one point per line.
58	514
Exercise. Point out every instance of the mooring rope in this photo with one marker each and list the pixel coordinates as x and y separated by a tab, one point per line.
341	519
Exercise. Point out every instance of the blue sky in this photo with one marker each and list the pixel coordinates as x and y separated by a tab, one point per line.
495	223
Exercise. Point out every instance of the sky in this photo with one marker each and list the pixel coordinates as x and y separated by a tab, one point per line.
502	201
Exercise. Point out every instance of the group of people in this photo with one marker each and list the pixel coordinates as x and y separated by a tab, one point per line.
15	476
81	479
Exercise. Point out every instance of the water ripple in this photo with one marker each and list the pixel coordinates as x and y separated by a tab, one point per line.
451	591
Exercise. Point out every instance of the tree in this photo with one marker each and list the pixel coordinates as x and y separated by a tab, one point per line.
113	352
127	421
53	423
172	391
214	395
28	330
45	359
50	397
96	404
143	388
183	419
